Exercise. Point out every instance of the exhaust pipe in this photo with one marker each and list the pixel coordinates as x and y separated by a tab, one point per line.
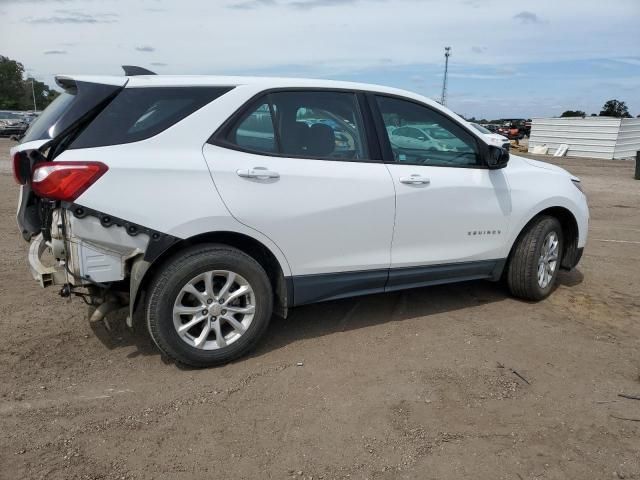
102	310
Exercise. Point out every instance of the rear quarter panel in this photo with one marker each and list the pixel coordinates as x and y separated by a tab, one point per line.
163	182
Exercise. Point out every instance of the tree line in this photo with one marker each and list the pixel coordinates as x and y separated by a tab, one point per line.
20	93
611	108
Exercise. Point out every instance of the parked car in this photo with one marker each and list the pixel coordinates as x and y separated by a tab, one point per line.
424	136
207	204
494	139
15	129
13	123
509	132
11	116
515	129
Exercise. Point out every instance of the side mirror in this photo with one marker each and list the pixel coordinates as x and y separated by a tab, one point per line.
496	157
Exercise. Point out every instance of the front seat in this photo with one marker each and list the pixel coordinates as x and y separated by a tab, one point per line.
321	140
294	139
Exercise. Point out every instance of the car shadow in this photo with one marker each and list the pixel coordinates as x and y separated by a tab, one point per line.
326	318
113	333
570	279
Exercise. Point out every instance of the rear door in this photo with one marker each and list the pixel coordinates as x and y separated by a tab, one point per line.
297	166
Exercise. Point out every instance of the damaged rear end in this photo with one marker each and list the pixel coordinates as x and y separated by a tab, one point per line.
81	138
70	247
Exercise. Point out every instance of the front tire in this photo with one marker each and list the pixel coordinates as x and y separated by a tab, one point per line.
208	305
535	260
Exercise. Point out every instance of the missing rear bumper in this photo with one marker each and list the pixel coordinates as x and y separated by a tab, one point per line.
43	274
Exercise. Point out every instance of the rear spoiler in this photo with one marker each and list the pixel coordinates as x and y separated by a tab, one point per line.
69	81
132	71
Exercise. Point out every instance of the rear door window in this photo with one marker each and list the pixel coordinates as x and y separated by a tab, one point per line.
140	113
321	124
307	124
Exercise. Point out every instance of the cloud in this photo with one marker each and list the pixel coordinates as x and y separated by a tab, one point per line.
2	2
252	4
145	48
506	70
297	4
310	4
73	17
480	76
158	64
55	52
628	60
525	17
335	39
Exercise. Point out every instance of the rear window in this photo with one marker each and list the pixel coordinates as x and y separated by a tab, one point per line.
39	129
140	113
79	100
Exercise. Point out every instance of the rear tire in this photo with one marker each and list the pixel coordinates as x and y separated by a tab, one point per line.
208	305
535	260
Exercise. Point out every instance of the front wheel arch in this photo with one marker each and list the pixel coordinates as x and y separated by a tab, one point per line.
570	234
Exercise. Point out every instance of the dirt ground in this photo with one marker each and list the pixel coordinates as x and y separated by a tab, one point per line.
448	382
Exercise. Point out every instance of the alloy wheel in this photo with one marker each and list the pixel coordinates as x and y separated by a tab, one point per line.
548	261
214	309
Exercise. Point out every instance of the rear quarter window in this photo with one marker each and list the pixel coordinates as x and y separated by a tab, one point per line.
140	113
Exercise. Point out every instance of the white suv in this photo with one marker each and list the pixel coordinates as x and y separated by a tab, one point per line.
209	203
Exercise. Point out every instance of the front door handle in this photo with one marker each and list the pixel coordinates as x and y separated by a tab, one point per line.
257	172
415	179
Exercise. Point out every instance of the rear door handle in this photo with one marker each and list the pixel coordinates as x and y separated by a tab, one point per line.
415	179
257	172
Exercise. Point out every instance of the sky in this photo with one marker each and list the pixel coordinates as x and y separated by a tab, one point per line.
509	59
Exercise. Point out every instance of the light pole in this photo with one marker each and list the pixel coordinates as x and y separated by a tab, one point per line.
33	92
447	54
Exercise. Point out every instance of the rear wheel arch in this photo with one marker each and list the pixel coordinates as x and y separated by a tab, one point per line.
249	245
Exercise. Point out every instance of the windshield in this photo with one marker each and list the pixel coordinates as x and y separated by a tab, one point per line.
480	128
4	115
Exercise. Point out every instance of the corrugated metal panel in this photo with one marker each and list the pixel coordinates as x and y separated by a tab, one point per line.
587	137
629	139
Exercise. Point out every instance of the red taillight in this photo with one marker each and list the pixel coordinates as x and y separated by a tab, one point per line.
65	180
20	168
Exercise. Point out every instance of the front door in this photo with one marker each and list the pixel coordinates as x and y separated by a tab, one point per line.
450	209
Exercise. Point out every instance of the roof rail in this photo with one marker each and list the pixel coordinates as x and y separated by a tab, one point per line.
132	71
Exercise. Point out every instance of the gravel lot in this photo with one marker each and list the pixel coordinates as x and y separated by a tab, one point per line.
420	384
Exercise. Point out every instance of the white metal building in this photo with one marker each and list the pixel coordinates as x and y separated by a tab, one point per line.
596	137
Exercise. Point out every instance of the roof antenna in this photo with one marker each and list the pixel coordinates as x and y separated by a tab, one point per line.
132	71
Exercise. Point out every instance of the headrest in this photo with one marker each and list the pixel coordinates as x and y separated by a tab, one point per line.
321	140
